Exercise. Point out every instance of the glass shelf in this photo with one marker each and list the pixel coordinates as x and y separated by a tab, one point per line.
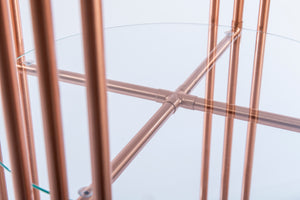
163	56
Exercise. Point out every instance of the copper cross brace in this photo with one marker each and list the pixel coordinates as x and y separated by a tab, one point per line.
187	101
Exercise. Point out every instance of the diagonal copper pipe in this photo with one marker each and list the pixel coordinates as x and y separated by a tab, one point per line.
187	101
262	25
207	64
135	145
12	110
209	95
3	189
92	27
48	84
24	93
231	96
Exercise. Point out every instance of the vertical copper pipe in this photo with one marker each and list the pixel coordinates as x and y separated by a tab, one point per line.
12	109
48	83
92	27
24	93
231	96
262	25
3	189
209	95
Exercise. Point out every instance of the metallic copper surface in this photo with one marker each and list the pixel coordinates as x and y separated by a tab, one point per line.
92	27
187	101
237	18
129	152
16	29
209	95
3	189
12	110
262	25
237	22
48	84
158	95
24	93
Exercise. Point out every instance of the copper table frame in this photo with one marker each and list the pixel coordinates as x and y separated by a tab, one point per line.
18	114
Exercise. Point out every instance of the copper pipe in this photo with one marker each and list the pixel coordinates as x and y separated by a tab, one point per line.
112	86
92	26
129	152
237	22
157	95
24	93
64	76
16	29
12	110
209	95
241	113
187	101
264	8
237	18
3	189
48	83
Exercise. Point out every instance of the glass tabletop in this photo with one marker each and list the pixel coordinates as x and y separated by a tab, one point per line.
162	56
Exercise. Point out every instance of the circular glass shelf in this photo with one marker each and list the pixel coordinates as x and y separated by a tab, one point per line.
163	56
